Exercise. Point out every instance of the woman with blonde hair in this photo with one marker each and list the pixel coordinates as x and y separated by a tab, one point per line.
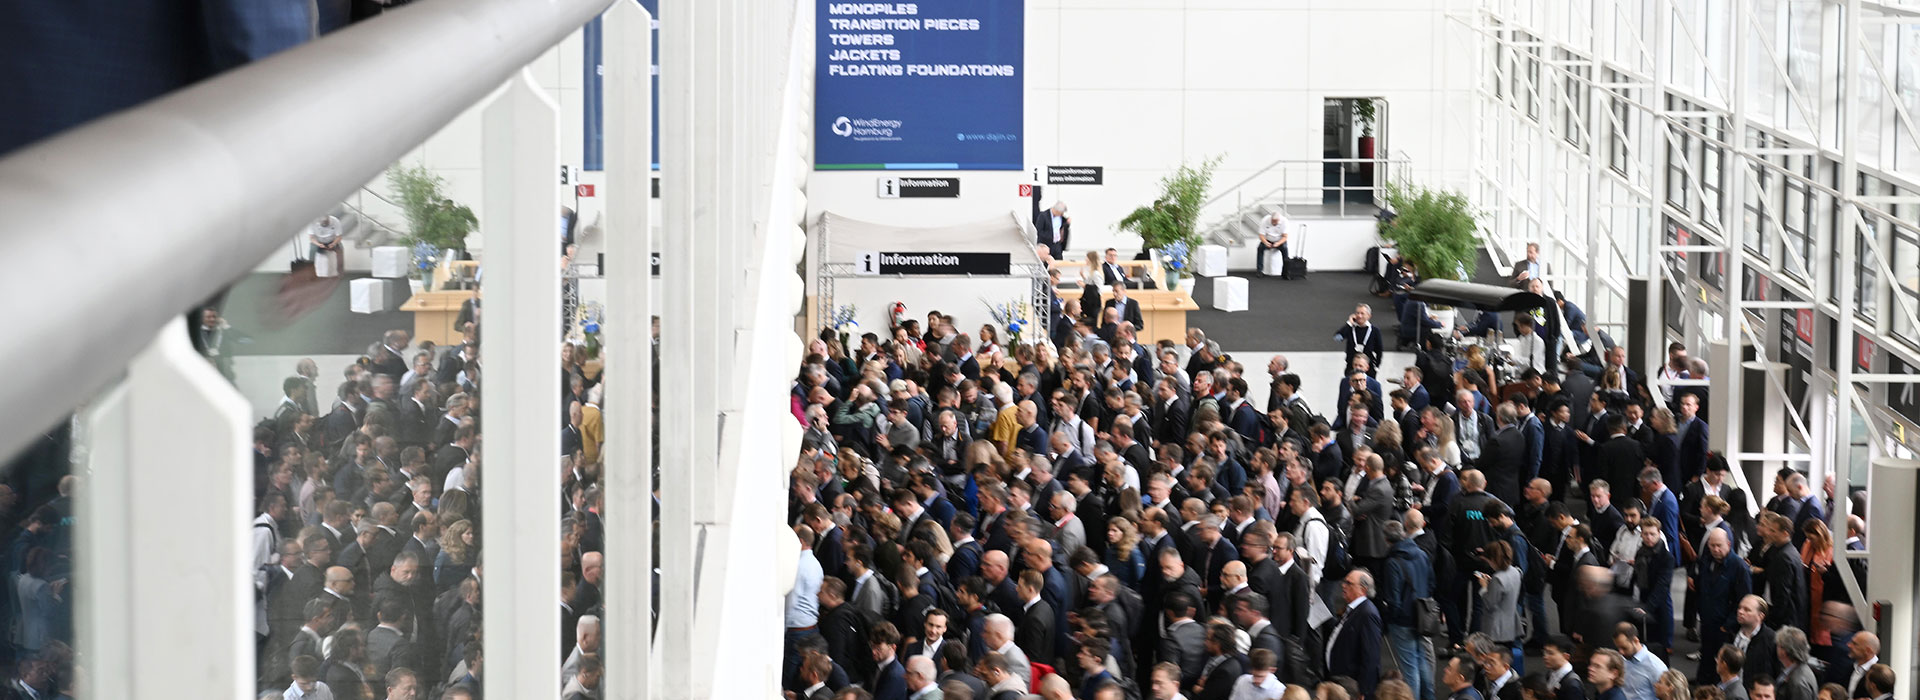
1124	558
1445	441
455	561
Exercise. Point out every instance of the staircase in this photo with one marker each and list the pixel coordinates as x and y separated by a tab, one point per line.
1243	225
1321	186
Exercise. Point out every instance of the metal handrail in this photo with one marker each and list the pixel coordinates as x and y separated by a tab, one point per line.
213	177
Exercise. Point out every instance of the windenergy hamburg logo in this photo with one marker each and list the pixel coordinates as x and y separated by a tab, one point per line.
843	127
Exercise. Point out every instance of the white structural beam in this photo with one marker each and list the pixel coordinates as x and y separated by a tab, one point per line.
628	468
1896	485
679	169
186	622
1844	365
521	351
1727	398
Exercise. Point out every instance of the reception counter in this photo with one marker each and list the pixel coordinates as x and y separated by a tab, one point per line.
1163	311
434	314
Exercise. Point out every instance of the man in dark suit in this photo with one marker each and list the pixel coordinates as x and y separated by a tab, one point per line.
1503	457
1184	641
1359	337
1353	646
1129	308
1211	553
1618	458
889	677
1222	667
1113	275
1757	638
1170	414
1779	574
1281	582
1035	631
417	416
1051	227
1693	437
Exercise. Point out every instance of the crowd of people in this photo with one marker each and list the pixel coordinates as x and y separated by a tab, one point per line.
1094	515
367	545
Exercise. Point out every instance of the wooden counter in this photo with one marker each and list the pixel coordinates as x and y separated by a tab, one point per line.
1163	311
434	314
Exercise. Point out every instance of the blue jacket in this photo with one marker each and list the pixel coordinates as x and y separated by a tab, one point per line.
1409	577
1666	509
1719	588
1536	434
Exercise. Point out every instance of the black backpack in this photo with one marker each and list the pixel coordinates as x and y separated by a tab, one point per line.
1302	663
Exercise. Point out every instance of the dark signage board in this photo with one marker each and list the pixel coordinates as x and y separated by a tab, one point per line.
918	263
891	187
1076	175
1903	398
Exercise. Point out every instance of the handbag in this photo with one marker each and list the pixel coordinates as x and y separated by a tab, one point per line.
1426	617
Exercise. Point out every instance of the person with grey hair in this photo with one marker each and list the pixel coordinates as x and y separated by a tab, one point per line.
1407	577
1796	680
1504	454
1069	532
1353	647
1211	554
998	635
1052	228
919	676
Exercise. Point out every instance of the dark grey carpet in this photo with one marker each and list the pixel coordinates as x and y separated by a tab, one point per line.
256	311
1286	316
1298	316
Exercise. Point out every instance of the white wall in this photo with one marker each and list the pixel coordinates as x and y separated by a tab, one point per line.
1140	86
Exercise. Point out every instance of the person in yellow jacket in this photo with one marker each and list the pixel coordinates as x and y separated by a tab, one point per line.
593	432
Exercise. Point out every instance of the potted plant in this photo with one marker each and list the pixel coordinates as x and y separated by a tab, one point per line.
437	227
1364	109
1435	233
1171	224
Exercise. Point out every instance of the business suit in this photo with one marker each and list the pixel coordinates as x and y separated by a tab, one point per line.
1797	683
1353	648
1501	461
1693	449
1785	584
1371	508
1218	681
1619	460
1036	631
1129	313
1045	232
964	562
1570	687
1185	644
1357	340
1170	420
889	681
387	649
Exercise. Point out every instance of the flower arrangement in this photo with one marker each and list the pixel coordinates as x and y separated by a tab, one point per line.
1174	256
1015	316
841	320
591	314
425	257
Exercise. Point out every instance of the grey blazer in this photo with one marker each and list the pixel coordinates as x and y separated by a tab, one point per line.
1500	601
1798	684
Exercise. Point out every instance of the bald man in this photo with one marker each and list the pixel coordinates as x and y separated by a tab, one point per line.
1863	650
1233	579
994	568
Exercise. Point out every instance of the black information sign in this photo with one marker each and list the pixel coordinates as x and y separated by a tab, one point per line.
880	263
1076	175
895	187
1903	398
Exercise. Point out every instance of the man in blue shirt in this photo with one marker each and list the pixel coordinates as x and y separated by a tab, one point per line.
1642	669
1663	507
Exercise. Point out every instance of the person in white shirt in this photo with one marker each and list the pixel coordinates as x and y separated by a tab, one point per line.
1529	349
1864	651
1626	544
1274	239
1259	683
325	253
1166	682
306	681
1529	269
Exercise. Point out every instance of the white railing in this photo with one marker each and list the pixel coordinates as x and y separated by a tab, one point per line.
1299	186
210	179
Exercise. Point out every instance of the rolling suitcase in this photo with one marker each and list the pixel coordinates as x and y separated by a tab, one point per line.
1297	263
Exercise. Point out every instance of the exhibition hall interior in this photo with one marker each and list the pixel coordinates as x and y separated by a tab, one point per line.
960	349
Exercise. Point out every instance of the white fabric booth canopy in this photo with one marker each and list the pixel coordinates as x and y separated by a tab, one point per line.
837	244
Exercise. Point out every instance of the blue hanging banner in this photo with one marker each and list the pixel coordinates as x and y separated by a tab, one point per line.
593	92
928	85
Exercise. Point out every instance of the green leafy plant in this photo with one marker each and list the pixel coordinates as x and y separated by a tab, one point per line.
1175	216
432	218
1364	108
1434	230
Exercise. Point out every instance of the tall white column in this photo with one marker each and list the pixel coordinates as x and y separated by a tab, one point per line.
521	354
628	471
679	170
1891	575
1728	395
168	607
